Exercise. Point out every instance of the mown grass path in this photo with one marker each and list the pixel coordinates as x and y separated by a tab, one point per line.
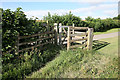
102	36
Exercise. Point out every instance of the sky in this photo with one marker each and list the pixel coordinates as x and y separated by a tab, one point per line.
82	8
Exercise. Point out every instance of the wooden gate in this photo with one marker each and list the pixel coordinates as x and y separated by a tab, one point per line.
84	39
61	33
73	35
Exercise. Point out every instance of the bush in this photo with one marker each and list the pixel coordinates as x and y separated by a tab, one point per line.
98	24
30	63
17	66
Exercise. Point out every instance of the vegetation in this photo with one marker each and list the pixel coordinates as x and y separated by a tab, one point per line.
19	65
99	25
84	64
30	62
118	17
14	65
14	23
108	31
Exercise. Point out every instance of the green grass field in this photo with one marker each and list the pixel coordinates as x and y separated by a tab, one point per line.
108	31
102	62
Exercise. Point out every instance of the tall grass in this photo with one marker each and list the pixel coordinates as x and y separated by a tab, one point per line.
82	64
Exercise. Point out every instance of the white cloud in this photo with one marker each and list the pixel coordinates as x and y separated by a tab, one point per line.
41	13
85	1
107	9
107	6
111	12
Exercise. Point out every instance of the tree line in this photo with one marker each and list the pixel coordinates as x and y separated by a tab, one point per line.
98	24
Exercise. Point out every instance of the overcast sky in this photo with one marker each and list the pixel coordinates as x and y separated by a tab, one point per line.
82	8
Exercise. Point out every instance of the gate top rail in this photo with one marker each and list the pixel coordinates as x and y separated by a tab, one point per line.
76	28
79	28
63	26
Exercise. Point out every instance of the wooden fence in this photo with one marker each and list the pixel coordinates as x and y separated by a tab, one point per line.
71	35
84	39
39	40
30	42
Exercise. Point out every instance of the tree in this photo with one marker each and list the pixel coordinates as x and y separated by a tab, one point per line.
118	17
89	18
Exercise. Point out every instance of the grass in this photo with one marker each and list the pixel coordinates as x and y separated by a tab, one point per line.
83	64
108	31
112	49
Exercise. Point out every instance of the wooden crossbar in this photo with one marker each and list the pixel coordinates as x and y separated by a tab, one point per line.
78	40
28	36
33	46
77	46
79	28
80	34
35	40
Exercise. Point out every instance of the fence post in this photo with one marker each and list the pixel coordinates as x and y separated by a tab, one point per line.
90	39
60	33
56	31
68	39
73	29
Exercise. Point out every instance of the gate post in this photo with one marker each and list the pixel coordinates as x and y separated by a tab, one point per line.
56	31
73	29
90	39
68	39
60	33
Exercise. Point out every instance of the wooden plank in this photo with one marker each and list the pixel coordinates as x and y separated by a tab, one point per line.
90	39
80	37
68	39
81	34
73	29
33	47
55	27
79	28
78	46
78	40
35	40
64	31
55	37
81	42
28	36
60	33
64	39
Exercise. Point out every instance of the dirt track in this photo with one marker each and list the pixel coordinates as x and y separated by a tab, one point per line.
102	36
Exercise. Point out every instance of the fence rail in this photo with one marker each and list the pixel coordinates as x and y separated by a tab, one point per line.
80	34
28	36
74	40
39	40
78	28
